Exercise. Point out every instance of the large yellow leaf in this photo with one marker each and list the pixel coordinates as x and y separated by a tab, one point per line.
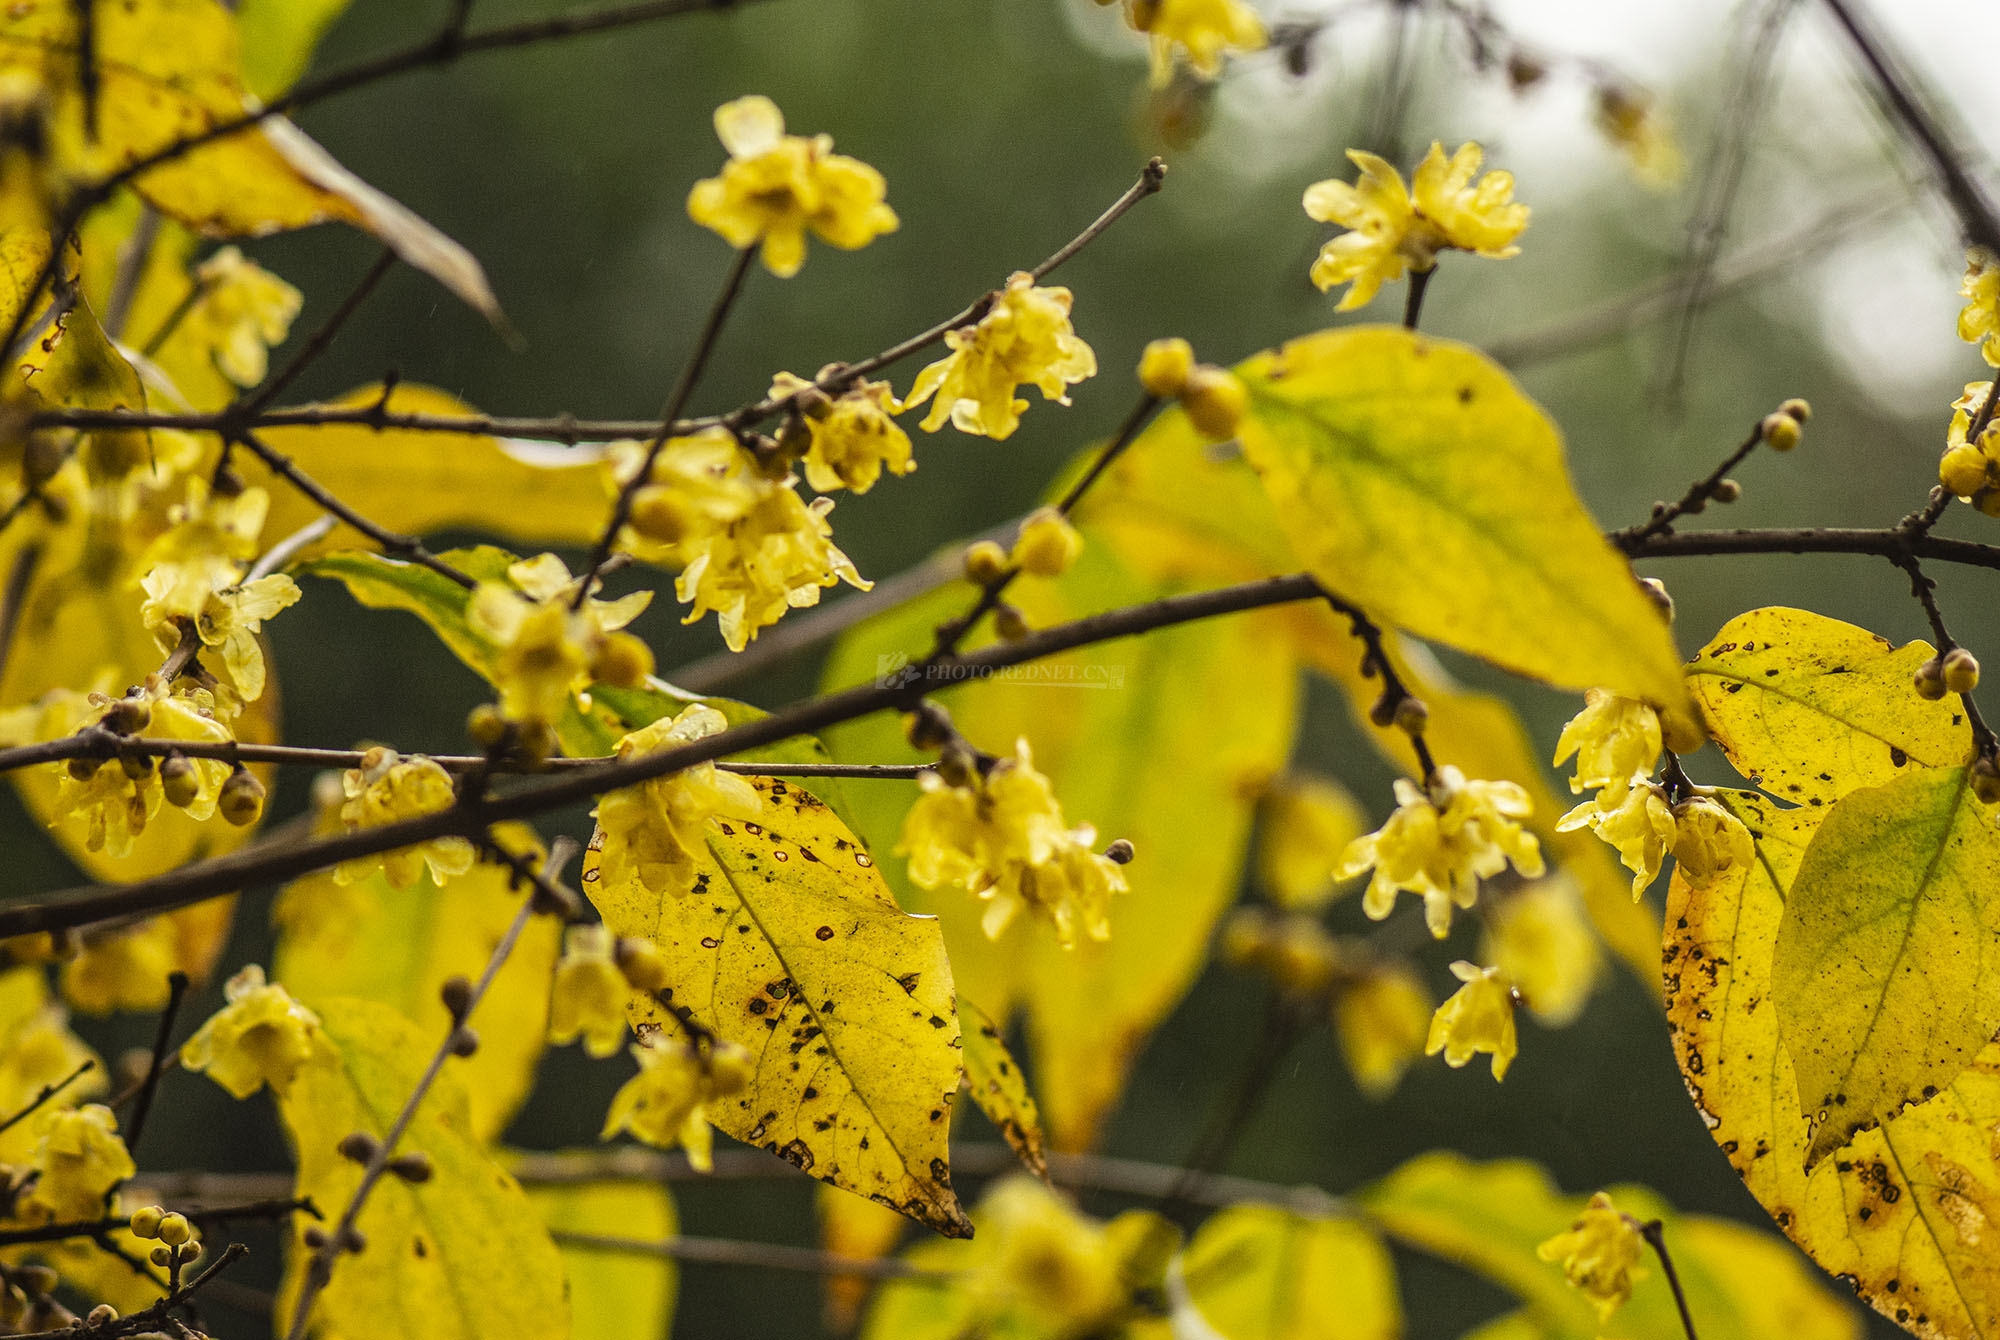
1165	740
1810	708
613	1295
1490	1217
997	1085
397	947
1888	949
792	946
1261	1272
1903	1212
1415	479
461	1256
417	482
169	70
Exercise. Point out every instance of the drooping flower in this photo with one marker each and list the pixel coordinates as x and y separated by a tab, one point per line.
1979	319
1025	340
81	1158
243	312
1641	827
776	187
192	578
1972	469
1709	840
262	1036
653	832
123	969
388	788
109	805
666	1103
589	995
853	436
547	651
1616	741
1479	1017
1441	843
1393	229
1205	30
1600	1254
1003	837
1382	1019
1540	939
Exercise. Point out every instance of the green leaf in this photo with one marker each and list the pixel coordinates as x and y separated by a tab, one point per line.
1890	943
279	37
1261	1272
791	945
613	1294
1417	480
1810	708
458	1257
994	1079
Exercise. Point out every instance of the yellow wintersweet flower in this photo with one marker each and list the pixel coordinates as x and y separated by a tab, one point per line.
546	651
700	486
1026	339
192	577
778	557
262	1036
123	969
654	832
589	995
1478	1018
1204	29
1003	838
853	437
1382	1019
1616	740
81	1159
666	1103
388	788
1600	1254
1441	844
1393	229
243	312
110	805
777	186
1979	320
1709	840
1641	827
1633	122
1540	939
1972	469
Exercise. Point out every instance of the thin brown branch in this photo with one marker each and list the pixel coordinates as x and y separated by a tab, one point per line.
1695	499
1891	543
1389	709
757	1255
1655	1234
1925	592
14	596
317	343
156	1062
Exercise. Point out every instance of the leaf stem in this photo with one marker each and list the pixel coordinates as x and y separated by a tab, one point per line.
1413	301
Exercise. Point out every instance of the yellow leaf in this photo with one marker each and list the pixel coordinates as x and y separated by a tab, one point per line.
1490	1217
1890	937
1261	1272
169	70
418	482
24	250
994	1079
1416	480
1165	740
852	1226
397	947
1902	1212
1810	708
791	945
459	1257
613	1295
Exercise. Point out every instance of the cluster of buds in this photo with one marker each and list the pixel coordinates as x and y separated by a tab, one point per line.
171	1229
1213	398
1046	546
1955	671
360	1147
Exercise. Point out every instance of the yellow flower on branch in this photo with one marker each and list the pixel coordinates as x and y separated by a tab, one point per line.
1970	469
1440	843
589	995
109	803
125	968
1979	320
853	436
547	651
654	832
1205	30
1641	827
1479	1017
243	312
262	1036
1002	837
666	1103
1025	340
1393	229
388	788
1634	123
1616	741
193	579
80	1158
1709	840
777	187
1600	1254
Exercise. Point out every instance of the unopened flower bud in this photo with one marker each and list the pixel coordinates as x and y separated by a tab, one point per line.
161	1256
1796	409
1726	491
485	726
464	1041
645	968
314	1237
1164	367
1214	399
83	769
928	726
985	563
179	781
1524	71
623	662
146	1222
353	1240
794	438
1120	851
226	483
813	402
129	716
1382	711
1412	716
957	766
359	1147
1929	680
1986	780
1010	623
242	799
1961	670
137	767
101	1315
175	1229
456	993
1963	470
1047	545
1656	591
1779	431
414	1166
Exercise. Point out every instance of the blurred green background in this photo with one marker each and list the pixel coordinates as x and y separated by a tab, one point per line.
1003	126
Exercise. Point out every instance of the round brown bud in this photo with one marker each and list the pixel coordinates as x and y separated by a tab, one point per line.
161	1256
83	769
1412	716
1961	670
1120	851
1986	780
927	726
137	767
101	1315
353	1240
456	993
1010	623
813	402
1929	680
314	1237
1383	710
179	780
242	799
129	716
464	1041
414	1166
359	1147
1726	491
226	482
957	766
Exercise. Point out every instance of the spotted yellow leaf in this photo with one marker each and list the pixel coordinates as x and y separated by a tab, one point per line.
994	1079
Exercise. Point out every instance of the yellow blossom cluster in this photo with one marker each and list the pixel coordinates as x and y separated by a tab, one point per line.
1042	1268
193	579
852	437
546	651
1600	1254
261	1036
1002	837
123	968
666	1103
243	311
388	788
1203	30
1979	319
1440	842
80	1159
1394	229
653	833
777	187
1025	339
1479	1017
1971	469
